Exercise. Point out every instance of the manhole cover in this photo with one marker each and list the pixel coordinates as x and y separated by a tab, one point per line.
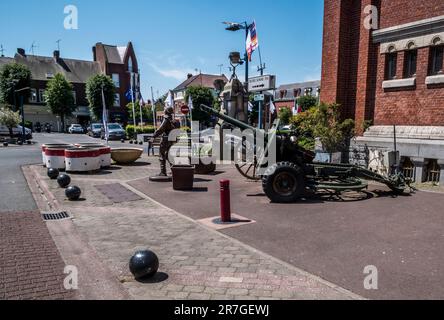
53	216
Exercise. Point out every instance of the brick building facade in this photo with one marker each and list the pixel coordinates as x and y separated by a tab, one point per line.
116	62
391	75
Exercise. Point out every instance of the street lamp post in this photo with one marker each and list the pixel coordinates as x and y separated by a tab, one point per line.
22	111
233	26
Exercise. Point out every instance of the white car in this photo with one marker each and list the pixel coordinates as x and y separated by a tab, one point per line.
76	128
16	131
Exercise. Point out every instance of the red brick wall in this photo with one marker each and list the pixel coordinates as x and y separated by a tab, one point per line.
353	68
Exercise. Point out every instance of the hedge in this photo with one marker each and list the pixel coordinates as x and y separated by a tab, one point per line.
144	130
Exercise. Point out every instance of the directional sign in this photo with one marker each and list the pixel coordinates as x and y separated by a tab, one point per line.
261	83
259	97
185	110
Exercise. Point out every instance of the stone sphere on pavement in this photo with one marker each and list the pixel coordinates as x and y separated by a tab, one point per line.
53	173
63	180
144	264
73	193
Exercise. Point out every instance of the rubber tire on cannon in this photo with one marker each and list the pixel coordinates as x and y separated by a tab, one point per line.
284	182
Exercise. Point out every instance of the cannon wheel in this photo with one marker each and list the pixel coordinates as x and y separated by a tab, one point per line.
284	183
247	168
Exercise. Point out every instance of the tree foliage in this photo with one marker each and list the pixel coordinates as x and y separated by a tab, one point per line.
307	102
10	119
13	76
324	122
285	115
59	97
200	95
94	93
147	112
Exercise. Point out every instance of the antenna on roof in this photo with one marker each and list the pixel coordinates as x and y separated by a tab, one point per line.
33	46
58	44
2	50
220	68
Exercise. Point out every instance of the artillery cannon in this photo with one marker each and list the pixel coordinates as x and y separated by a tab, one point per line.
295	170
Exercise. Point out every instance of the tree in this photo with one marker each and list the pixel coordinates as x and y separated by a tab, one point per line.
285	115
59	97
200	95
10	119
306	102
13	76
94	93
147	112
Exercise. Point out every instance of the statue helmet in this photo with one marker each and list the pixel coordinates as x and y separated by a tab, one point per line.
169	111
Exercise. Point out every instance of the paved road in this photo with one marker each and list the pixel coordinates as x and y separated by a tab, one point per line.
13	188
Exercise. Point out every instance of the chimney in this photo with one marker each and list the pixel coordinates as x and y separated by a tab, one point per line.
56	55
21	52
189	75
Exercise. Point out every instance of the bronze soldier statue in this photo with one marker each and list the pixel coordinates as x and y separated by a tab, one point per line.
164	131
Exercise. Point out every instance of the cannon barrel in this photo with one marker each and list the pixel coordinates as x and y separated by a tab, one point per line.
232	121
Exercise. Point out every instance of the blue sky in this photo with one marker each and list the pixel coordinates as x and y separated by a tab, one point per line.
174	37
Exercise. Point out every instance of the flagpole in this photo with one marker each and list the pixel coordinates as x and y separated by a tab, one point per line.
132	100
105	117
140	101
153	108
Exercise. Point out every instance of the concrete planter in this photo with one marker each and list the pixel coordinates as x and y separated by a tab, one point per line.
52	145
126	155
83	159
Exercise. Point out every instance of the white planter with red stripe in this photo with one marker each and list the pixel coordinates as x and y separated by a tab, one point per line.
105	157
52	145
83	160
55	158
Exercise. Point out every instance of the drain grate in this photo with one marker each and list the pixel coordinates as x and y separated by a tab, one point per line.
54	216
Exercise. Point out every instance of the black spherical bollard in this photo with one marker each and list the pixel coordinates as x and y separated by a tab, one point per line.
5	144
73	193
131	142
144	264
123	140
63	180
20	142
53	173
29	142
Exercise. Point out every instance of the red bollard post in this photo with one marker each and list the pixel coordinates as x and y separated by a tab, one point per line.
225	201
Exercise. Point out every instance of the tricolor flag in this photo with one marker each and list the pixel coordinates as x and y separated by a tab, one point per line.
296	108
190	103
252	40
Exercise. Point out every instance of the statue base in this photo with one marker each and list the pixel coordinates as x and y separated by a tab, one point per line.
161	179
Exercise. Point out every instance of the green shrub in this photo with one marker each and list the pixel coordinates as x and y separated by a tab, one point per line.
144	130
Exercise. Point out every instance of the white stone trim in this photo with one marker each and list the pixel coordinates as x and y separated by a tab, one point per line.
402	44
409	30
399	83
438	79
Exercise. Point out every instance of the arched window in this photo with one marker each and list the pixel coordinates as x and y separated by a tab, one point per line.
130	64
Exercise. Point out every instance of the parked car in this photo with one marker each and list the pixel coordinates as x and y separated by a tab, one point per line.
116	132
17	132
76	128
95	130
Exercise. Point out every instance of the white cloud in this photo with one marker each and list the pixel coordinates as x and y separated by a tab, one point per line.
175	73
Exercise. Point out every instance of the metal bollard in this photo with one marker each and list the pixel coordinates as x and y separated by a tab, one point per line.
225	201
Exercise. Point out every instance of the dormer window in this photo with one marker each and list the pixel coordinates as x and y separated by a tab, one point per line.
49	75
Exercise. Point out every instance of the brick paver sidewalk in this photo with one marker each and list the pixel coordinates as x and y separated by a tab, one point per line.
198	263
30	264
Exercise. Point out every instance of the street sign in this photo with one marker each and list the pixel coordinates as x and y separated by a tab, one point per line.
262	83
185	110
259	97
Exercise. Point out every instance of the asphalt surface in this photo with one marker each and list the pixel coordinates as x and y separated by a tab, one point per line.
402	236
13	187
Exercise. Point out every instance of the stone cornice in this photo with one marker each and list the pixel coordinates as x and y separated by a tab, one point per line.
409	30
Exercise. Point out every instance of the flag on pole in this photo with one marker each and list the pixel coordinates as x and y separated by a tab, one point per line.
252	40
190	103
105	116
250	107
296	108
272	107
169	102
